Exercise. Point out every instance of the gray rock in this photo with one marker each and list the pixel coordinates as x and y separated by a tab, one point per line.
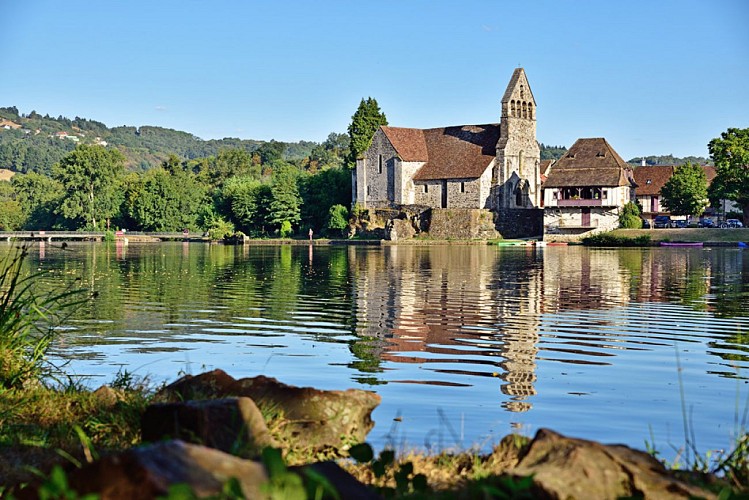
312	418
233	425
149	471
579	469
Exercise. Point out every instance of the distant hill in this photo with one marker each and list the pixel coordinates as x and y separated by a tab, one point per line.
41	141
551	152
669	160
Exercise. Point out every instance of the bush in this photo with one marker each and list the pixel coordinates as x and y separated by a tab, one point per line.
285	229
629	218
338	218
610	240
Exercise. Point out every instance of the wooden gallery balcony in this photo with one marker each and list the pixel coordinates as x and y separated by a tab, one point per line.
579	203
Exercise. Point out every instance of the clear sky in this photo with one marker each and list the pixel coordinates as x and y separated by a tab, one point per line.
653	76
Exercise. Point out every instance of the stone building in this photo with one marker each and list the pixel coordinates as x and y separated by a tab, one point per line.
489	166
586	189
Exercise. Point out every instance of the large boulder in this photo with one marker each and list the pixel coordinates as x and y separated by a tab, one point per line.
149	471
233	425
307	417
567	468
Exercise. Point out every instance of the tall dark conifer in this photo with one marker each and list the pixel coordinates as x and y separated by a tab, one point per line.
365	122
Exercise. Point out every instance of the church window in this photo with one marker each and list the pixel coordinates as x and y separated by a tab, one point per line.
426	188
462	187
525	113
519	197
530	110
369	190
512	108
379	164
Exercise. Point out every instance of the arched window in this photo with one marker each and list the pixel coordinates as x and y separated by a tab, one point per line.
512	108
518	197
525	113
530	110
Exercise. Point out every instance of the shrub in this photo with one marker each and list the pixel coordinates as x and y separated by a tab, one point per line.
285	229
629	218
338	218
610	240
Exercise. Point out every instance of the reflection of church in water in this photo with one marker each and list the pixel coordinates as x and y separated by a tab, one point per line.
442	304
448	304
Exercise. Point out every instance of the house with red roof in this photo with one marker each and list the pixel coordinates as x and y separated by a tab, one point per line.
491	166
585	189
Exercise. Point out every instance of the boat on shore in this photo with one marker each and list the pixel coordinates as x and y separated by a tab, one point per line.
681	243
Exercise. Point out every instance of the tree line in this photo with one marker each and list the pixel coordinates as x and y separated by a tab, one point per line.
258	191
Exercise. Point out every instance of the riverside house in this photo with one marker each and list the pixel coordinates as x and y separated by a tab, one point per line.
585	190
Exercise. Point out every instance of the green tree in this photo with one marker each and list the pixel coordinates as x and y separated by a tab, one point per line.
730	152
338	218
286	202
248	203
365	122
685	193
12	217
90	176
320	192
629	217
39	196
166	198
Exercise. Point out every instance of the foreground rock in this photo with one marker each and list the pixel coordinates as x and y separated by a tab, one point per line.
150	471
570	468
233	425
311	418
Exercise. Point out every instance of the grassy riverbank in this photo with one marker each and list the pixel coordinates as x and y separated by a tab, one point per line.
687	234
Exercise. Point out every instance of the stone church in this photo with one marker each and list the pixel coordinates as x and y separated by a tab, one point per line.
490	166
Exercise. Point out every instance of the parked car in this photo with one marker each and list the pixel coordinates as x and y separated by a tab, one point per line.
732	223
662	221
681	224
645	224
707	223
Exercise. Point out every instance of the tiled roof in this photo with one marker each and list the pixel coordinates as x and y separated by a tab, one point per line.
590	162
408	142
461	152
650	179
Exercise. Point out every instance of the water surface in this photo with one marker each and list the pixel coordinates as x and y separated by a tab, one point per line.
464	343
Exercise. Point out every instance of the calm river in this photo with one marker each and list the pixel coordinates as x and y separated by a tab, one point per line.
465	344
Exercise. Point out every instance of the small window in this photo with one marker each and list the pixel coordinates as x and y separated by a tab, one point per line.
605	193
369	190
379	164
462	187
426	188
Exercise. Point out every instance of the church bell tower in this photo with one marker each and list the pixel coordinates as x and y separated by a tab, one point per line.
517	176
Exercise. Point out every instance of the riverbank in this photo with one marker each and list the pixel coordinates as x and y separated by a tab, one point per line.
97	438
710	237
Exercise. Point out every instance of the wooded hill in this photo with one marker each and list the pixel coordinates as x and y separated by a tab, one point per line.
42	141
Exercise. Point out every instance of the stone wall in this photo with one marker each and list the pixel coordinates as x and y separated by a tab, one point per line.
461	224
375	174
520	223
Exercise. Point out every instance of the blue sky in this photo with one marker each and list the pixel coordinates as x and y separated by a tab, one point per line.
653	77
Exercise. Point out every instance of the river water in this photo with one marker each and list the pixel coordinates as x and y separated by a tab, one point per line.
465	343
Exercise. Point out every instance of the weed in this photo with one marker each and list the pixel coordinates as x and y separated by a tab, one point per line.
27	323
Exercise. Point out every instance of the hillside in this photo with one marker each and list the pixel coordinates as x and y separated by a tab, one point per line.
33	143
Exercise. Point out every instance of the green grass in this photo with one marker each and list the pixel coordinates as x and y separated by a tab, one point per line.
687	234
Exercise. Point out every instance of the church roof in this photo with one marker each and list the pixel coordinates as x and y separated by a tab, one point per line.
590	162
460	152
